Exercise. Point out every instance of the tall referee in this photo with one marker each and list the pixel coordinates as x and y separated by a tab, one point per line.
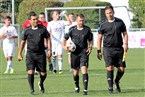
35	57
111	31
83	38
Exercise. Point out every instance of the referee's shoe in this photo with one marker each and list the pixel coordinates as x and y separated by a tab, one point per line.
85	92
32	92
117	86
41	87
77	89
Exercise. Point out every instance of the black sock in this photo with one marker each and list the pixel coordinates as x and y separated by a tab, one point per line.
50	65
118	76
42	78
76	80
110	75
85	81
31	81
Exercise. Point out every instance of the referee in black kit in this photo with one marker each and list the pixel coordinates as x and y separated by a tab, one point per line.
83	38
35	57
111	31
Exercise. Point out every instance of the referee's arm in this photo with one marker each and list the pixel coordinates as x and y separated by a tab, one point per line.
90	39
99	43
22	44
66	37
49	47
125	37
91	44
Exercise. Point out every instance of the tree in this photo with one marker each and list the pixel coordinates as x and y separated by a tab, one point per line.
92	17
137	8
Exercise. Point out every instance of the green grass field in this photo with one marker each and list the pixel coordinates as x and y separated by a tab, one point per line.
132	84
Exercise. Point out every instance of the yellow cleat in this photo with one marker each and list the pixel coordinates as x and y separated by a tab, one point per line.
12	71
60	72
6	72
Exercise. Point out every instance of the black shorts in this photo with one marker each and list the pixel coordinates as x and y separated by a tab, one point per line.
79	60
113	57
36	60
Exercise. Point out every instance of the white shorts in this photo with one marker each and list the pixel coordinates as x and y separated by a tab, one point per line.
9	51
57	49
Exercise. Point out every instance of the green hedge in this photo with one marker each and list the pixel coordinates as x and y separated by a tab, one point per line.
91	16
37	5
138	9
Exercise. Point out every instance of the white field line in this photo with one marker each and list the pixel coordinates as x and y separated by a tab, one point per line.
57	75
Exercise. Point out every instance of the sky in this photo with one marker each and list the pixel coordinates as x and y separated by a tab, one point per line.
64	0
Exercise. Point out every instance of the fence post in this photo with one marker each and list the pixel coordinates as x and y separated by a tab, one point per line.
13	12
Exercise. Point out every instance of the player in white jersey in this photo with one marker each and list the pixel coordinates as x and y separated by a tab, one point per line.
8	33
71	16
57	31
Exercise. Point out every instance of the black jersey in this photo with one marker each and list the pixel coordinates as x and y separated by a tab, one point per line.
35	38
80	37
112	33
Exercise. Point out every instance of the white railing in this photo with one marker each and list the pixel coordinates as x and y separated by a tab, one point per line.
136	29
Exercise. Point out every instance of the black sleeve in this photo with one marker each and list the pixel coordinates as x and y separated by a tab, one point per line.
100	29
24	35
46	34
123	27
90	35
102	26
67	35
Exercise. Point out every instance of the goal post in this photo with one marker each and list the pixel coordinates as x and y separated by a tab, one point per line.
83	10
93	15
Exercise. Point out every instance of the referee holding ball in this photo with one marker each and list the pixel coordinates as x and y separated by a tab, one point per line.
82	36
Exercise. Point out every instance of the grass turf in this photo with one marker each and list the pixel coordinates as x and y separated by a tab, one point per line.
132	83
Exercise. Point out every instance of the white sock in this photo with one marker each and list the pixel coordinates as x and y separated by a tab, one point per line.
54	63
60	60
9	65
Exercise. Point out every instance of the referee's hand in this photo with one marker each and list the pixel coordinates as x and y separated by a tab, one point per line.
20	58
89	51
99	56
49	54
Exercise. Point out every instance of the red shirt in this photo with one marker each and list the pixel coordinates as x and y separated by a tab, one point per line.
44	23
27	23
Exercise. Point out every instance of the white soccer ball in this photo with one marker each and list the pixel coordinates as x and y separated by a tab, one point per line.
71	46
